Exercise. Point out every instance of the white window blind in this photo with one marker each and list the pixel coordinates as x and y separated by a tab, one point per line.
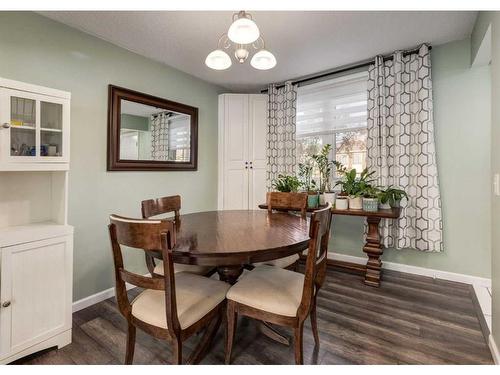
179	138
334	112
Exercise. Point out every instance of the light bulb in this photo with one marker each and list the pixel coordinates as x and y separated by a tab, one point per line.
218	60
243	31
241	55
263	60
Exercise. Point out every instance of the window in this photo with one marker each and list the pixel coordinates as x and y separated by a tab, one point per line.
334	112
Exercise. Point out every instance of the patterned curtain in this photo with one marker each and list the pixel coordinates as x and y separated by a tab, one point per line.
401	147
282	104
160	124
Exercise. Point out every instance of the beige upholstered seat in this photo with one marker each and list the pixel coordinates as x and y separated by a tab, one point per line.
270	289
281	262
178	267
196	296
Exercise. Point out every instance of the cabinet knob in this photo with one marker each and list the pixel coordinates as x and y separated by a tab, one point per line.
5	125
6	304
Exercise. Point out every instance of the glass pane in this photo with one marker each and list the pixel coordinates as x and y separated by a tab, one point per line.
51	115
22	141
51	143
22	112
351	149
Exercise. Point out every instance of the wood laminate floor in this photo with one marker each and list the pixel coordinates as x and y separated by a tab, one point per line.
408	320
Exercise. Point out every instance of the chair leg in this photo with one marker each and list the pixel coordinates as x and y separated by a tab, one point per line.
314	323
231	322
129	351
177	352
298	335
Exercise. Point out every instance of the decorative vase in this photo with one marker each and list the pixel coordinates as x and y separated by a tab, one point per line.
370	204
329	198
385	206
341	203
355	203
312	200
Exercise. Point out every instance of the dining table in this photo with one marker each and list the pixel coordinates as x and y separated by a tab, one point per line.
232	240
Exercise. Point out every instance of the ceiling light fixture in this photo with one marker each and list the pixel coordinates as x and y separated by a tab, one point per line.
243	36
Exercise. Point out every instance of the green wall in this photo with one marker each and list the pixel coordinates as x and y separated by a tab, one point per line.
134	122
37	50
462	134
484	19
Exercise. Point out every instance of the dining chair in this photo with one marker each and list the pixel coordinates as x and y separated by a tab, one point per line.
289	202
171	307
281	296
162	206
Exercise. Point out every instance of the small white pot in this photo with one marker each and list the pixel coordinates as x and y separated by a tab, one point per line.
341	203
322	199
355	203
329	198
385	206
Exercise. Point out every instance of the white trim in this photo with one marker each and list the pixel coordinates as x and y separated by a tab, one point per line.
98	297
437	274
28	87
495	353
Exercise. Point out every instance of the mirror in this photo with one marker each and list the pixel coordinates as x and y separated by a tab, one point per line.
150	133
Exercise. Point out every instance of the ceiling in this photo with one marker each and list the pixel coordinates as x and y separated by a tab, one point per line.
303	42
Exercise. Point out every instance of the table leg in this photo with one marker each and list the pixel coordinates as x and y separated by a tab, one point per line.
229	274
373	248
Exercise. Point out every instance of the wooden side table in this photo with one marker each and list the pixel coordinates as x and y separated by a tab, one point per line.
373	248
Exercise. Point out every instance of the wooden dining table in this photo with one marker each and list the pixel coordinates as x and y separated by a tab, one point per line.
230	240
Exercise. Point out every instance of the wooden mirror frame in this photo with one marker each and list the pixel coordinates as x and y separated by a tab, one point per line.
114	163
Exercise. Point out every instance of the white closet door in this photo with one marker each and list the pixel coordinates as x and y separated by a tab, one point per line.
257	150
235	148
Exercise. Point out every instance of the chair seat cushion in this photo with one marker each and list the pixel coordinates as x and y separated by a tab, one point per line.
179	267
281	262
195	295
270	289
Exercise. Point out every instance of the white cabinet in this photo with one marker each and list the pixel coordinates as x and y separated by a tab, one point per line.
242	151
36	242
34	127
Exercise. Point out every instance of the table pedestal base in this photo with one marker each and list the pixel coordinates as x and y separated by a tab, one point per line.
230	274
374	249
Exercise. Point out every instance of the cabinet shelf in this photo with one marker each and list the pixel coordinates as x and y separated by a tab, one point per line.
51	130
18	234
23	127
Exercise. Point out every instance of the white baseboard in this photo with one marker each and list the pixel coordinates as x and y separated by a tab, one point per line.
444	275
96	298
494	350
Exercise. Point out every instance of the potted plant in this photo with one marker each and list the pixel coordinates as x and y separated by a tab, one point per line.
286	184
354	186
391	197
324	164
370	199
309	185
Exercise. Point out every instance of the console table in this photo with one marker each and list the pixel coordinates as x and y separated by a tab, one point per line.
373	248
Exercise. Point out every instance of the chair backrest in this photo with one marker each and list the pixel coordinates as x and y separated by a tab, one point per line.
315	270
276	200
159	206
145	235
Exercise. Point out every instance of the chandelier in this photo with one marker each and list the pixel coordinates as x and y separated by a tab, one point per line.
243	37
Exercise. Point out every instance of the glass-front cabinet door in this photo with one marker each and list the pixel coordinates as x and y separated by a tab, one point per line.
34	128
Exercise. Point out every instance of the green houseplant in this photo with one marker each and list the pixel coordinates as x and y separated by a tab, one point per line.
309	185
370	199
286	184
354	186
325	167
391	197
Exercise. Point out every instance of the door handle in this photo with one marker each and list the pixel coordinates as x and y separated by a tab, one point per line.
6	304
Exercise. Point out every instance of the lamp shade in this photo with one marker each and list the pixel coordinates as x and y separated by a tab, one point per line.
263	60
243	31
218	60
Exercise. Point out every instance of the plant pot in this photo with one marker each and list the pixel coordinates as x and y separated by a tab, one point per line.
355	203
396	204
341	203
385	206
329	198
322	199
312	200
370	204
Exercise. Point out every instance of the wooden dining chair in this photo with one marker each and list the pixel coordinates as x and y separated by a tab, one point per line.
286	202
280	296
163	206
171	307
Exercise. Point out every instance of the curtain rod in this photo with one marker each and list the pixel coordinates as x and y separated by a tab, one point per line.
344	68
